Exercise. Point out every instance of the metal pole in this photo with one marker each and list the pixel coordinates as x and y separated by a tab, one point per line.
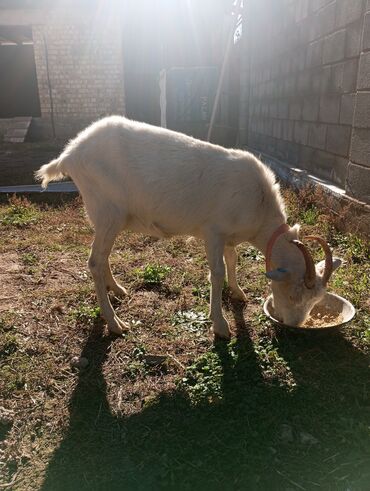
49	86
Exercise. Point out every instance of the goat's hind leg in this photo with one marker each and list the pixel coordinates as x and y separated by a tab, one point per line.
231	260
98	264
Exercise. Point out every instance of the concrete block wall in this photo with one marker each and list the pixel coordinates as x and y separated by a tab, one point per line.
358	175
306	86
79	67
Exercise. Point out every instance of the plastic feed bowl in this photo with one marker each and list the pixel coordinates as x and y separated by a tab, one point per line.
336	304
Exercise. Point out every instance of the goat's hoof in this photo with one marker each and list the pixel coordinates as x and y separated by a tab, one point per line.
221	330
119	291
223	336
118	327
238	295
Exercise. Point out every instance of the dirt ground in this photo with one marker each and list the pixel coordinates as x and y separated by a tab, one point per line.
164	406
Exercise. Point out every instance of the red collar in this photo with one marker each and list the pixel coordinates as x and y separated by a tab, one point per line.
279	231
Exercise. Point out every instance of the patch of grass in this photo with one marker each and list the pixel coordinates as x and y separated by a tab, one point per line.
273	366
20	213
138	352
261	321
134	369
153	274
352	283
309	216
362	328
4	327
202	382
355	248
12	381
201	292
29	259
252	253
191	320
86	313
8	344
16	369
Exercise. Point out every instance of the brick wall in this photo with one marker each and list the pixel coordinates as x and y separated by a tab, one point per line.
306	87
80	71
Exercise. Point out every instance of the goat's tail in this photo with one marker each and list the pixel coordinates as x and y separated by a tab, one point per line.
53	171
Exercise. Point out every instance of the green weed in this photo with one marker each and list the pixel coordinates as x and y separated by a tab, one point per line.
153	274
13	381
202	380
201	292
274	367
309	216
191	320
8	345
29	259
349	282
20	213
136	367
85	313
252	253
355	248
138	352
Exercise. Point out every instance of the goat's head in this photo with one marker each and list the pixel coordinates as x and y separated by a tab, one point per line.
297	285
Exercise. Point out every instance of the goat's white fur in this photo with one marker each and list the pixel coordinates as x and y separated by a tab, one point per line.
152	180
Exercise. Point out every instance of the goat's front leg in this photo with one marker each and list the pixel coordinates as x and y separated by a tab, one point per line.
231	259
98	264
214	248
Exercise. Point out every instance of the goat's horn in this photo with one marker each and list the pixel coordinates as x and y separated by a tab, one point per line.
310	274
328	257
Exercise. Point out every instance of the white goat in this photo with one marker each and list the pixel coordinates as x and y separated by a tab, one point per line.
151	180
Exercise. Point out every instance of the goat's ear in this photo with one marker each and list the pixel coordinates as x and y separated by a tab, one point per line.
279	274
321	265
293	233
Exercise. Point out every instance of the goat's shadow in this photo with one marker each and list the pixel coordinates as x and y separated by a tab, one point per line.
231	445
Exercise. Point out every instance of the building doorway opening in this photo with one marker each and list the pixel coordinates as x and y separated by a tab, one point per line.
19	94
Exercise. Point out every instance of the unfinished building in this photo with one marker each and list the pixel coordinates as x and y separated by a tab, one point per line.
61	65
